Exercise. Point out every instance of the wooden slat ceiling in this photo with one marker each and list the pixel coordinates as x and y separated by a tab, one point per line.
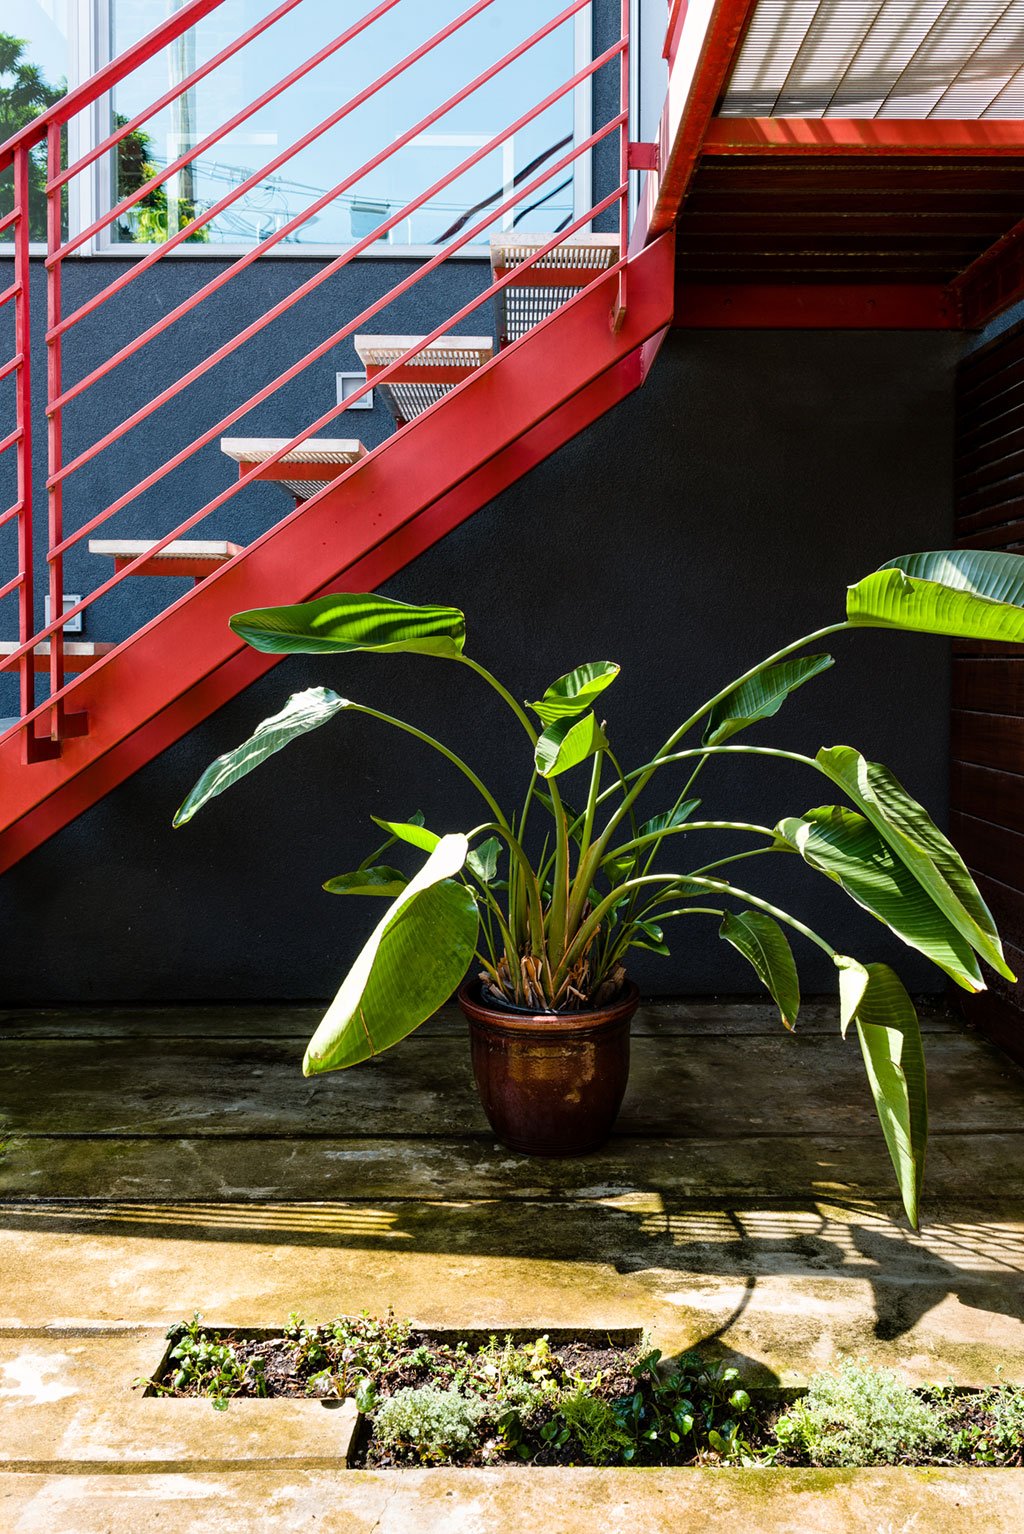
880	58
844	220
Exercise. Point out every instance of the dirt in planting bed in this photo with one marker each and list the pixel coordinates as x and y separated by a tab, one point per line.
595	1399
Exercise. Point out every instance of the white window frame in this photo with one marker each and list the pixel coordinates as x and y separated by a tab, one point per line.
89	194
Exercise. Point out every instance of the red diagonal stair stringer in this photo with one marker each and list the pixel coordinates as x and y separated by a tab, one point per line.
404	497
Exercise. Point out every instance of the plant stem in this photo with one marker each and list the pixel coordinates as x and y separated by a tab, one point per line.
721	887
456	761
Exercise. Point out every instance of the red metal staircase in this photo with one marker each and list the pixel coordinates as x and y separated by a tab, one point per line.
578	319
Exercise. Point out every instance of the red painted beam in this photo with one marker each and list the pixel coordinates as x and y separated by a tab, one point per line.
993	282
246	666
887	137
706	43
815	306
420	472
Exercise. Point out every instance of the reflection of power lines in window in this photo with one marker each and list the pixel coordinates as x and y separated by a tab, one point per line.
266	207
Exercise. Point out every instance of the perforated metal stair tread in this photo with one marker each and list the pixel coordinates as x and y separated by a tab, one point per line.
193	558
79	654
296	470
550	282
425	378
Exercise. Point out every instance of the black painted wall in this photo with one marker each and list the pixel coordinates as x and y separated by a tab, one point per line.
705	522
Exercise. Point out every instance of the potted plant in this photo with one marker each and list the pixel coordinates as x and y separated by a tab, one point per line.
545	902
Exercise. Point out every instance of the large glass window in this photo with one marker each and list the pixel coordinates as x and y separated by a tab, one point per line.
47	46
324	173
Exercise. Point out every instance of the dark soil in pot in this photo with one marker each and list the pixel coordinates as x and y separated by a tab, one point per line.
551	1083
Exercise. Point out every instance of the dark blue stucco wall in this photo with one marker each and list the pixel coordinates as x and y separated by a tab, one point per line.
703	523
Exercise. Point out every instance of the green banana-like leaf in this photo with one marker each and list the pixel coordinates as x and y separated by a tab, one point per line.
575	692
763	944
380	880
651	936
412	831
483	860
409	966
917	841
761	696
352	620
873	996
303	712
670	819
566	743
966	593
845	846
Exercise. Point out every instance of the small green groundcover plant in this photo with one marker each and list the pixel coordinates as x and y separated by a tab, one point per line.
429	1401
548	900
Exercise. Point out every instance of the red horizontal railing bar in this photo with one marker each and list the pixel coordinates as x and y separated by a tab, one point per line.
104	79
12	512
325	272
175	91
9	219
11	438
9	293
225	495
12	585
174	462
272	91
11	367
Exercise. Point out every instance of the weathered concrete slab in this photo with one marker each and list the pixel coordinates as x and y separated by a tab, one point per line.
723	1087
69	1404
694	1019
770	1168
160	1163
783	1290
521	1502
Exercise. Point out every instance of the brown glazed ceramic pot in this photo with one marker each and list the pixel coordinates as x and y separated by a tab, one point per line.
551	1083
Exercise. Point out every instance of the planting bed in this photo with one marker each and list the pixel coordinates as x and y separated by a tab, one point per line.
444	1398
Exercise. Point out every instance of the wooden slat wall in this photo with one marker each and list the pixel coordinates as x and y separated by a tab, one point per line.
987	786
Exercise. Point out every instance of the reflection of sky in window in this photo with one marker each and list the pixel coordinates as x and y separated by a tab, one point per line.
44	26
370	127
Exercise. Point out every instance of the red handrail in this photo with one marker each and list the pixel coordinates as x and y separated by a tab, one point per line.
48	129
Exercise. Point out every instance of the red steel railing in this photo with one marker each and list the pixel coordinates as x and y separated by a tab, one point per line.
55	712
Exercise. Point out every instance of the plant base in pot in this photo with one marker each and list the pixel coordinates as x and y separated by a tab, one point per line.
551	1083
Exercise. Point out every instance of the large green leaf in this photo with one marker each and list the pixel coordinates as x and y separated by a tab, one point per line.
352	620
566	743
483	860
873	997
911	833
575	692
763	944
967	593
760	696
412	831
845	846
409	966
379	880
303	712
672	818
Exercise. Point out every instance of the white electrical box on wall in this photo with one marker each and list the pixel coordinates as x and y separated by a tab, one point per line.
73	625
347	384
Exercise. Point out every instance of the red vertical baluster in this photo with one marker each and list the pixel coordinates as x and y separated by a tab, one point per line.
54	417
23	386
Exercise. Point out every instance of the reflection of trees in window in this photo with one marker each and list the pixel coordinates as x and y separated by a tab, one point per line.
152	219
24	94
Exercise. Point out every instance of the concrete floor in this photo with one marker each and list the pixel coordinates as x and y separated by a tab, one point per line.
155	1162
